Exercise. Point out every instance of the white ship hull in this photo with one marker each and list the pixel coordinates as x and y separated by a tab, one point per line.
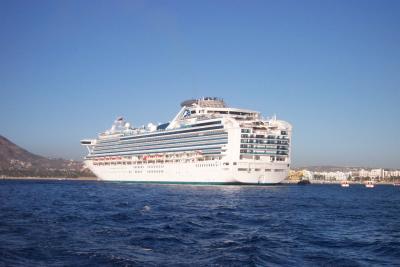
191	172
206	142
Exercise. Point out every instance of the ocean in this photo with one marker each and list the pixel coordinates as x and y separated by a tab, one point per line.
89	223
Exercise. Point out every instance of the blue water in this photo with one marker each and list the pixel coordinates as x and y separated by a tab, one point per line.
69	223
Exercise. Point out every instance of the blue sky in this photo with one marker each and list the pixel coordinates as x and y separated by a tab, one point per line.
331	68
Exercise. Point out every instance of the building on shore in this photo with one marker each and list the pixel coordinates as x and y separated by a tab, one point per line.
374	173
345	174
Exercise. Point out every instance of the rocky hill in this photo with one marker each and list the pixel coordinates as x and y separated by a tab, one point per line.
18	162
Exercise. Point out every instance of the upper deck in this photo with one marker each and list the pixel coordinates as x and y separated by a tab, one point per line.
193	111
212	107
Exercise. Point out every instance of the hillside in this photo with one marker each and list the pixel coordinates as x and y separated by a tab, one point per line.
18	162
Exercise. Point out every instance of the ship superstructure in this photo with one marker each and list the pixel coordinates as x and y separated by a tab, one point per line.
206	142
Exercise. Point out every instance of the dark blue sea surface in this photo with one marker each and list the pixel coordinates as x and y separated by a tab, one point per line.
77	223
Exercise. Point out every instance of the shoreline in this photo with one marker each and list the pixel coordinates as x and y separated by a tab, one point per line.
335	182
51	178
285	182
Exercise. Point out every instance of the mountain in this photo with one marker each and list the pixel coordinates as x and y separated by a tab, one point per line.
18	162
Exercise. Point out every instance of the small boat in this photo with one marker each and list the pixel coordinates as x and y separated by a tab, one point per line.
369	184
345	184
396	184
304	182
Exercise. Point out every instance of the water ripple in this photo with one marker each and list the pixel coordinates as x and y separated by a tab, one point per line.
58	223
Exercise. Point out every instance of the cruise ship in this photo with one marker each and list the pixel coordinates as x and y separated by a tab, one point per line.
206	142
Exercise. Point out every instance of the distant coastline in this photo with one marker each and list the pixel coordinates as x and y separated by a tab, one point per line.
319	182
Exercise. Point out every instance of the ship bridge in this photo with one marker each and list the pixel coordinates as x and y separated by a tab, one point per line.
213	106
205	102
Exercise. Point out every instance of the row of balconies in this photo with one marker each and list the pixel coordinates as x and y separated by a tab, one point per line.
249	131
264	147
250	151
251	141
269	137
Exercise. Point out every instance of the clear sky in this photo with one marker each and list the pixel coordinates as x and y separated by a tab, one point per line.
331	68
